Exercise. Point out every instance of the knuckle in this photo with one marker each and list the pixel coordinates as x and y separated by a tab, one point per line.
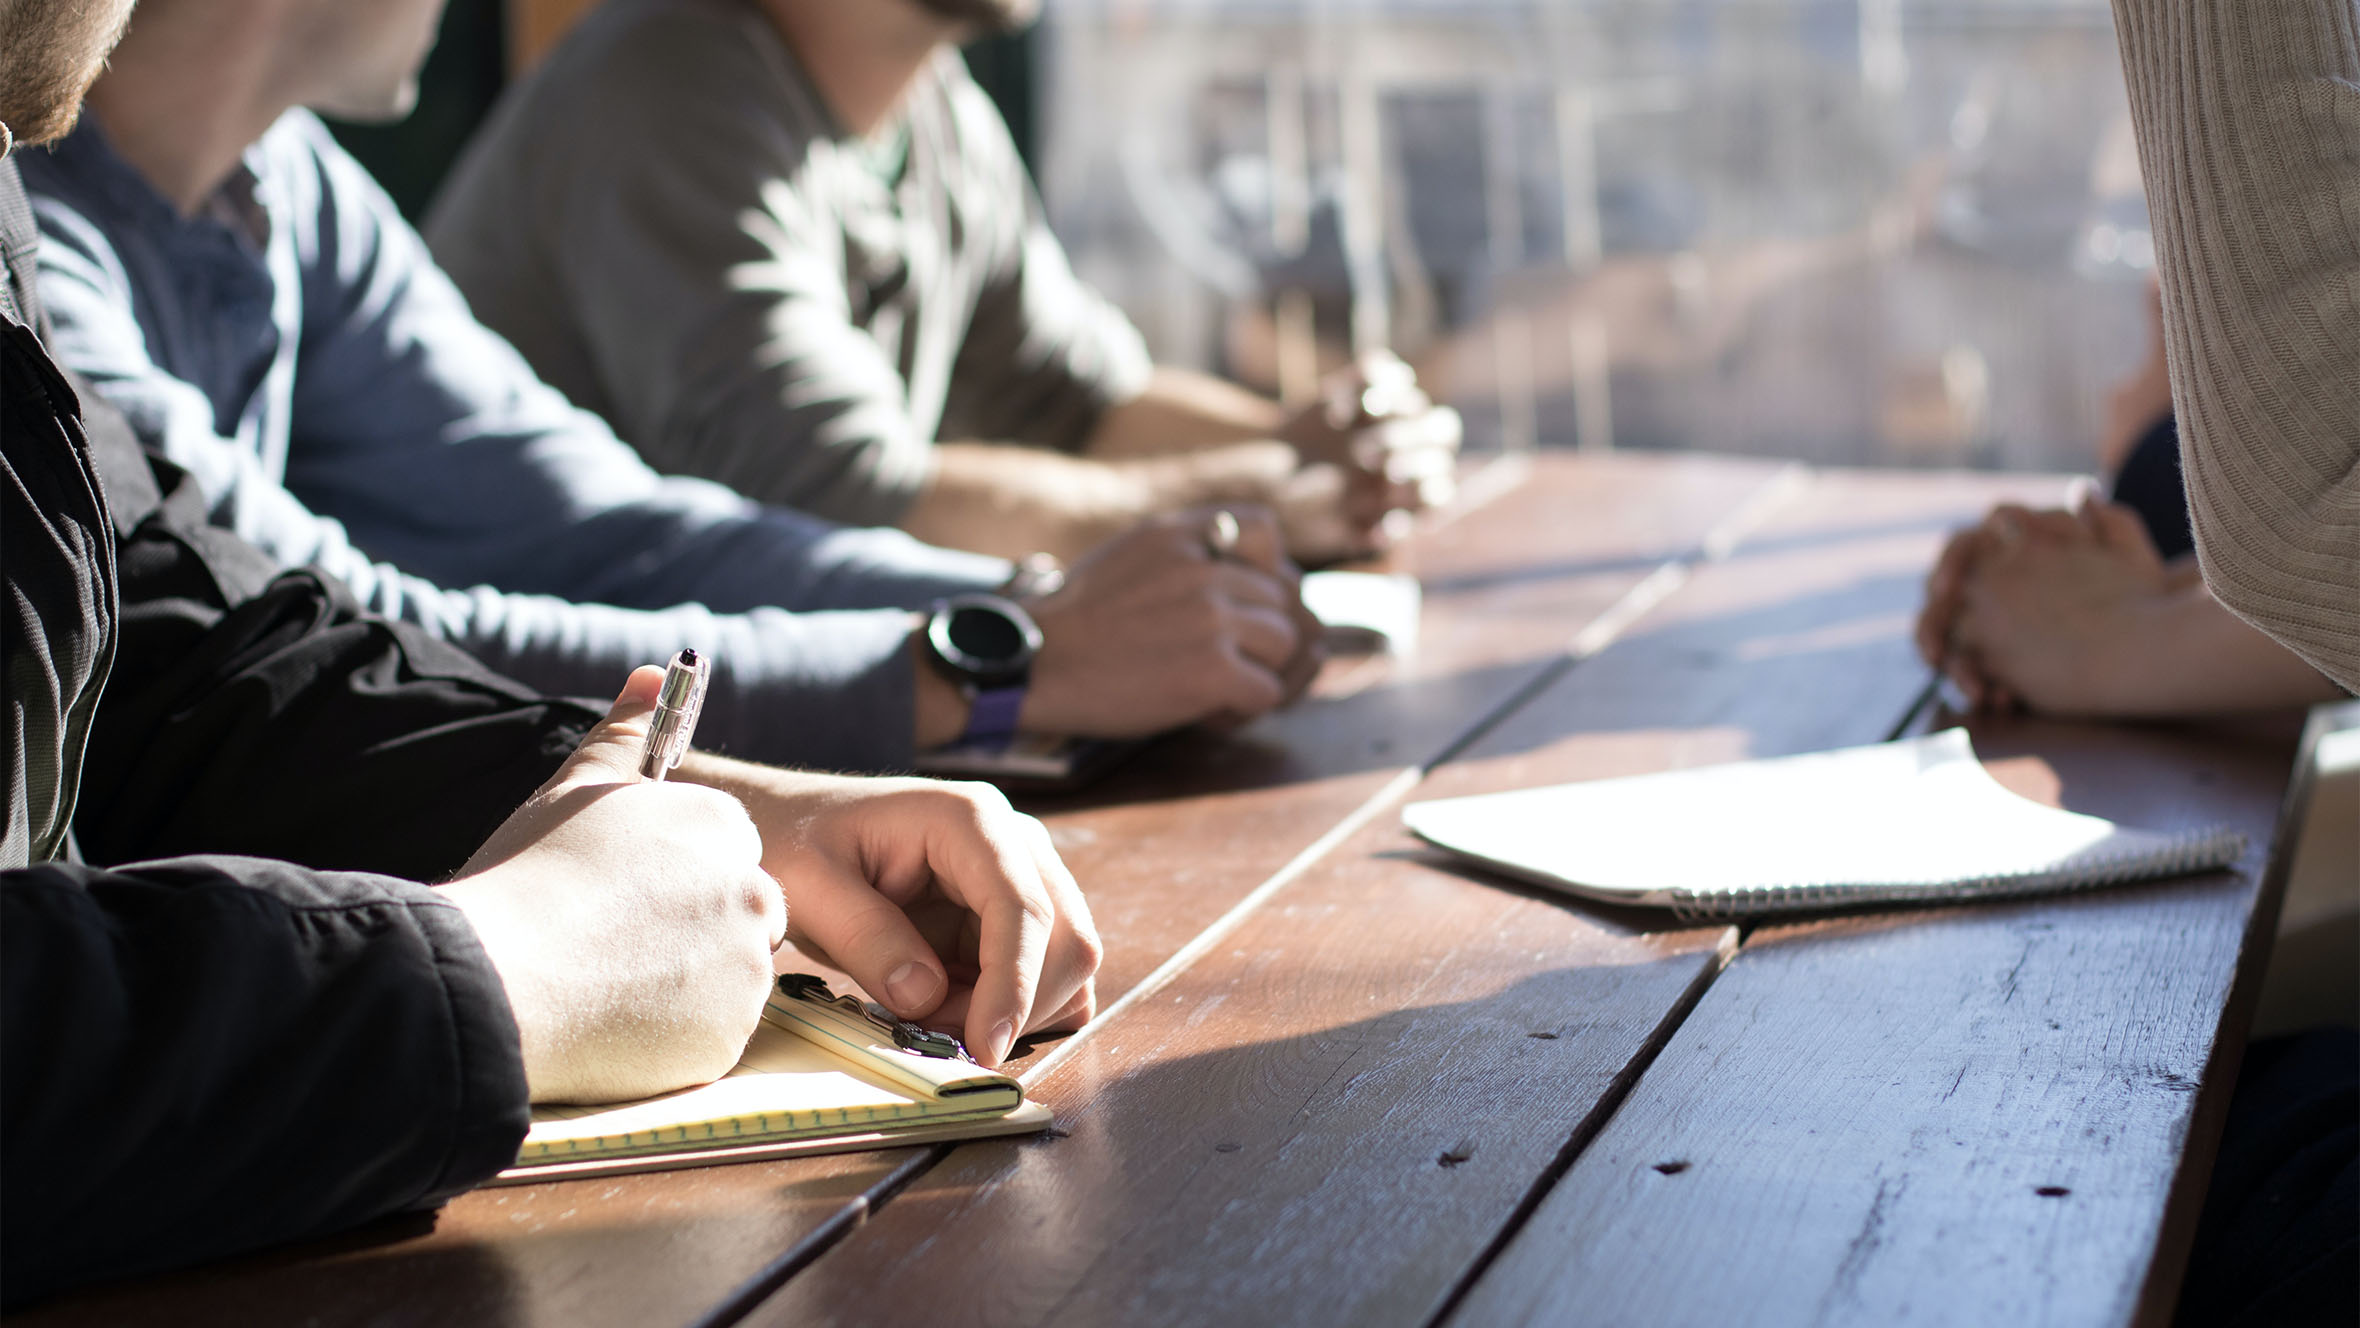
1087	949
986	799
759	897
1039	911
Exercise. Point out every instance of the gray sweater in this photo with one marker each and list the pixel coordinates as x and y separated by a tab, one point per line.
672	226
2248	115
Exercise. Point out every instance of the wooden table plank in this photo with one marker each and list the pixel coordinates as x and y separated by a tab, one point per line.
1968	1116
1328	1117
1509	583
1167	846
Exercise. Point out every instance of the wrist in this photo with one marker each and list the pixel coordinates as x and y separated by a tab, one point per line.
1251	472
942	706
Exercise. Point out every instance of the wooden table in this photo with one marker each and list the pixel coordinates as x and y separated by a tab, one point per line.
1342	1082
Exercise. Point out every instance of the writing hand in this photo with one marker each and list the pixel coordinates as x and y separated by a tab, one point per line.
942	902
631	923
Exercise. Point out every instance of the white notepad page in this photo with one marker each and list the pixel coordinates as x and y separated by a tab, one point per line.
1913	820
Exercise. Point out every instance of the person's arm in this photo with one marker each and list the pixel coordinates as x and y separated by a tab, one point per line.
940	900
830	689
2074	613
1013	500
437	446
206	1056
2248	118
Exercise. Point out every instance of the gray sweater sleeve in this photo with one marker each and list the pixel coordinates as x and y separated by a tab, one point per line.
664	221
2248	116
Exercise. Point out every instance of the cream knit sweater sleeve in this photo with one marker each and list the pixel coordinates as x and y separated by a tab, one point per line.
2248	115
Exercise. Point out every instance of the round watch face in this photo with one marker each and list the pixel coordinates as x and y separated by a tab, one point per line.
984	638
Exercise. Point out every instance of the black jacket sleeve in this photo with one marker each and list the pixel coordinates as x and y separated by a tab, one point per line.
208	1055
252	712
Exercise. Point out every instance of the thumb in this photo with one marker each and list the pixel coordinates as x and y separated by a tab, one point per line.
610	754
868	935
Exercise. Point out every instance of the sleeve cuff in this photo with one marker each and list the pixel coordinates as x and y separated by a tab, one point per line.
493	1108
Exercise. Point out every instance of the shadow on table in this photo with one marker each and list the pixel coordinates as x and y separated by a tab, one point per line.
361	1274
1610	919
1680	674
1253	1162
1575	568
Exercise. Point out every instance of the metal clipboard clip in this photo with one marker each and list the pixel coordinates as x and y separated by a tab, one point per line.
906	1035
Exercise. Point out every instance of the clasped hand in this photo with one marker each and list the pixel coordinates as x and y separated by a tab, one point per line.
2036	608
1375	443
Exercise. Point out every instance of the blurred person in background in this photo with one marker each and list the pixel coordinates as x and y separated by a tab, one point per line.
2100	610
249	298
2248	125
235	1010
789	246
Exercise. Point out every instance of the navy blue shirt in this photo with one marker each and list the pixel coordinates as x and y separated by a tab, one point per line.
294	346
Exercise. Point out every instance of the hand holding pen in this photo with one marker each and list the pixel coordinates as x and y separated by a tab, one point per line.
611	906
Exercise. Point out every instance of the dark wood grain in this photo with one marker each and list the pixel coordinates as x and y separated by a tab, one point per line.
1168	846
655	1251
1330	1115
1171	843
1965	1116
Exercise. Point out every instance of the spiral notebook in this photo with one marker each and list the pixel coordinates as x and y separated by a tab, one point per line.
1902	822
821	1074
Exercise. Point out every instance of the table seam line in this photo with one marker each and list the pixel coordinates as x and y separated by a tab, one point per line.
1608	1106
1718	543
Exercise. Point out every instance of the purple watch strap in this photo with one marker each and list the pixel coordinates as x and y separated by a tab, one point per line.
993	717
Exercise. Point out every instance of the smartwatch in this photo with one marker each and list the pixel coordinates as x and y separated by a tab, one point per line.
986	644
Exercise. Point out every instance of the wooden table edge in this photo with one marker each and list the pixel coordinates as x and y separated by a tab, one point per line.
2160	1293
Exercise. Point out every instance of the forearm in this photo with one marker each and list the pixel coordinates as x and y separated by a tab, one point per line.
1184	411
2245	116
2194	658
1017	501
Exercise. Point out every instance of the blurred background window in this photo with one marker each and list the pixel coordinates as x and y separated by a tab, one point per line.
1894	232
1890	232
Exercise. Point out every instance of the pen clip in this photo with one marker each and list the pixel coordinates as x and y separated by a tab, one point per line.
674	724
908	1036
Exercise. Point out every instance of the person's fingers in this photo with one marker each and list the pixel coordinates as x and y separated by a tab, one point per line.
2006	528
1249	587
1945	585
2055	526
2121	527
1260	542
1066	994
2081	495
1310	654
610	752
769	901
869	936
1268	636
1010	954
1410	445
1073	1014
1367	498
1243	688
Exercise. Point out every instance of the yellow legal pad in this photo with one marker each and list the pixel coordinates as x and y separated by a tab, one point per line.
815	1077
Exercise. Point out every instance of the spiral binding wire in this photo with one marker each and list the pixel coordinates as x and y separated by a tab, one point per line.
2195	851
